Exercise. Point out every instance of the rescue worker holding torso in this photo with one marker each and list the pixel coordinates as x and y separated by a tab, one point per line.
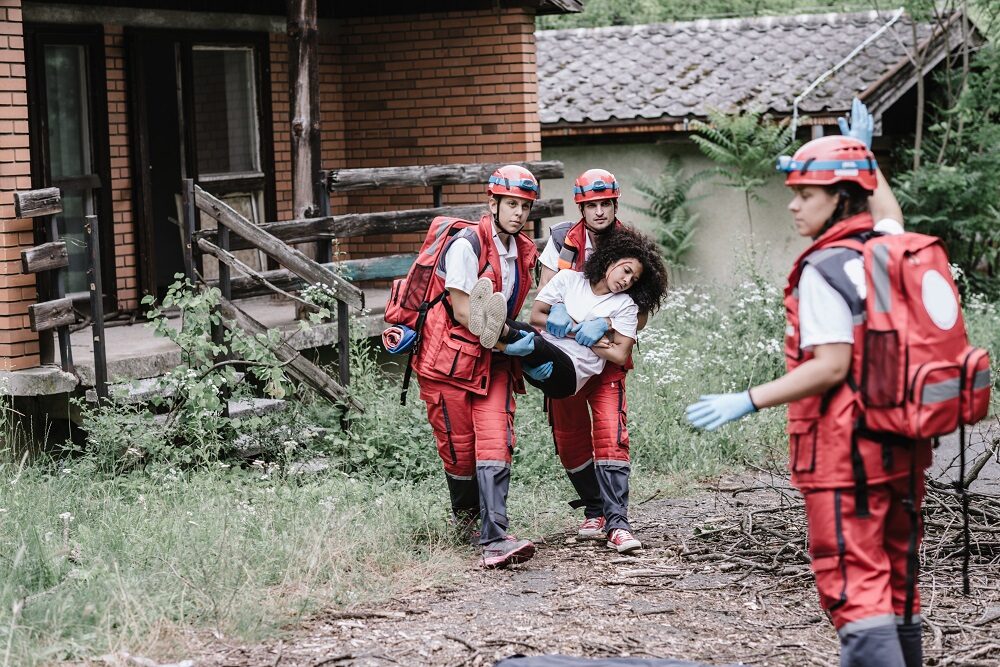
468	389
589	428
857	485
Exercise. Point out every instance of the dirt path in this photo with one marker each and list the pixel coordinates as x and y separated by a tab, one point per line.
580	598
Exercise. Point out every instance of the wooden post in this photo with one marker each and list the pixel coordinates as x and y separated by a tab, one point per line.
96	306
304	80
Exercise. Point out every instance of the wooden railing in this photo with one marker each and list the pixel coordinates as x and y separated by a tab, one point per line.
328	228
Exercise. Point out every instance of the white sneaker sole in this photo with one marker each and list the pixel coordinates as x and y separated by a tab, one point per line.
480	292
494	317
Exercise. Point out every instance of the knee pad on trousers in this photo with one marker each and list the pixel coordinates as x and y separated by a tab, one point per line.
871	647
458	454
910	641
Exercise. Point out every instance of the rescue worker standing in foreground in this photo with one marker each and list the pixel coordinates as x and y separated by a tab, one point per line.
857	489
589	429
469	390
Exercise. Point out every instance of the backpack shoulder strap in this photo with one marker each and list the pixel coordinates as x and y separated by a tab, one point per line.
832	264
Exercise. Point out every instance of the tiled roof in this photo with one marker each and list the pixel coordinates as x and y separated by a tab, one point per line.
681	70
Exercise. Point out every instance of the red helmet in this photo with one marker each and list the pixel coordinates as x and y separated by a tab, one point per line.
829	160
514	181
595	184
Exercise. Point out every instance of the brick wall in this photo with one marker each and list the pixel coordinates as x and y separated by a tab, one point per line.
281	115
413	90
18	344
126	276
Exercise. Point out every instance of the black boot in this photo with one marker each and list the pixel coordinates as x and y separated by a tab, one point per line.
464	507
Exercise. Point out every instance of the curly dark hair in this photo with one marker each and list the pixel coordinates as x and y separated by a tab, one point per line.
625	243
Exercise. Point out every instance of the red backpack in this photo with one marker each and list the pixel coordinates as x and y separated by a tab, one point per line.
410	297
920	377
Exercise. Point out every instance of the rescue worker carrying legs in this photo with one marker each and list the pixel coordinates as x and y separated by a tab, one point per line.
860	506
469	391
589	428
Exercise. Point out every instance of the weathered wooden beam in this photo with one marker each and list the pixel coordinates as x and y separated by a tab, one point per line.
51	314
304	84
254	280
288	257
297	366
45	257
34	203
345	180
387	222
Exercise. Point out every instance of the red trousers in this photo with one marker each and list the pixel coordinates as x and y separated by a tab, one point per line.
592	423
860	562
469	428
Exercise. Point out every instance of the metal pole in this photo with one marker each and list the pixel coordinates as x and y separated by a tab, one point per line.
188	227
324	249
218	331
344	343
96	306
58	285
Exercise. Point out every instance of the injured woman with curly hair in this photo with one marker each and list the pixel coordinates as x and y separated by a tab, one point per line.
623	277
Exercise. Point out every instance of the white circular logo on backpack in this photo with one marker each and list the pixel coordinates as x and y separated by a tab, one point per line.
939	300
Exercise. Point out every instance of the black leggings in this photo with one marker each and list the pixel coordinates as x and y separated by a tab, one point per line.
562	382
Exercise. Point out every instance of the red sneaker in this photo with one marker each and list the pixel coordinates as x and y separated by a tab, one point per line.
508	551
592	529
623	541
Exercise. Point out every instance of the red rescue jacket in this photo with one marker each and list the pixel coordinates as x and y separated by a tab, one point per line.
448	351
821	428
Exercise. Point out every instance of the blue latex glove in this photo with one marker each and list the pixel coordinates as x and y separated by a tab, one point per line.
714	410
522	347
559	322
862	124
538	373
591	331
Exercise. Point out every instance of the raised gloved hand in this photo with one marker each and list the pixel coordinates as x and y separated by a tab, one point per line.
591	331
538	373
521	347
714	410
862	124
559	321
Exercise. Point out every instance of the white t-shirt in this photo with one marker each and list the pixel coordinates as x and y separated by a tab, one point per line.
824	316
550	256
462	266
573	289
